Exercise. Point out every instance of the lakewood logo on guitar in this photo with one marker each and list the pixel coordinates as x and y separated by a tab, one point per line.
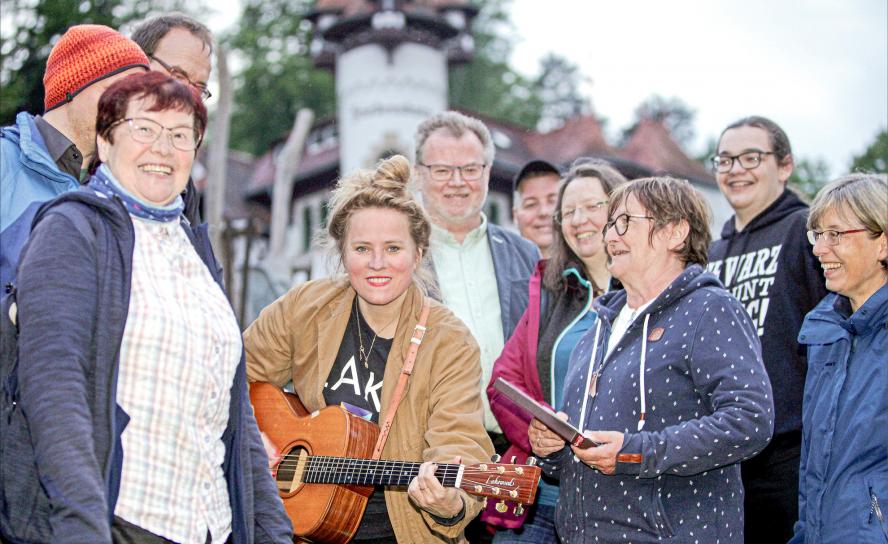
325	474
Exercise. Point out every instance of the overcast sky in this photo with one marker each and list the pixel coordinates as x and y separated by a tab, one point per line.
819	68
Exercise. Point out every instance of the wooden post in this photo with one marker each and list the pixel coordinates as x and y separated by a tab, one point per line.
286	166
217	157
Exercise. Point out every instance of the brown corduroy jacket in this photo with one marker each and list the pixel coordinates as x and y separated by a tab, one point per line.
297	337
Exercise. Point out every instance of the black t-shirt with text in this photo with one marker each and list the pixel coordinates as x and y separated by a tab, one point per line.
356	383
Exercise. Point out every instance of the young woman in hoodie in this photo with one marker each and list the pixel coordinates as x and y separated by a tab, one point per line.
559	312
669	383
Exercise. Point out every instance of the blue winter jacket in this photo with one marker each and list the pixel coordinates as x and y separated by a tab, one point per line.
61	450
843	478
707	406
28	178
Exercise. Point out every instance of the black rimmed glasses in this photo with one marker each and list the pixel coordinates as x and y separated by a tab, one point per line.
832	237
444	172
588	209
749	160
146	131
620	223
180	75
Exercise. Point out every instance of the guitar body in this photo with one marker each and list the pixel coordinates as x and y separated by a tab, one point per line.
319	512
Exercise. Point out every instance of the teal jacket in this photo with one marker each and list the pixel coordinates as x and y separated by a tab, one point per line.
28	178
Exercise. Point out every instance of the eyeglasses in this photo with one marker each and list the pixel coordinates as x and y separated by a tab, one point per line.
749	160
588	209
180	75
444	172
620	223
832	237
146	131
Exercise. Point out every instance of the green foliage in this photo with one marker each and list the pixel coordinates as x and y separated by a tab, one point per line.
488	85
558	87
809	175
279	77
674	113
875	158
36	25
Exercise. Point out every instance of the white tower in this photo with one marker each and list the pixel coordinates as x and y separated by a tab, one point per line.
390	59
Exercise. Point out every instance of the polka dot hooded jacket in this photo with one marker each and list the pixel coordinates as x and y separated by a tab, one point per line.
687	387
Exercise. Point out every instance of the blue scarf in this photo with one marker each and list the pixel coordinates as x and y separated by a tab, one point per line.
105	183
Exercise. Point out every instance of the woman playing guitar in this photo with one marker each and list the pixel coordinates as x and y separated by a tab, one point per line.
343	341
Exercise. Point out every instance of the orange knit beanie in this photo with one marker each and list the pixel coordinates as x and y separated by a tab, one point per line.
84	55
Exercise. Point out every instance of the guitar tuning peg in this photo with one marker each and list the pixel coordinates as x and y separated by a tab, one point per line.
513	460
501	507
519	510
495	458
531	461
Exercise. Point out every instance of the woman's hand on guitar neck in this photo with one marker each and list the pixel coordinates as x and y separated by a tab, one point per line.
428	493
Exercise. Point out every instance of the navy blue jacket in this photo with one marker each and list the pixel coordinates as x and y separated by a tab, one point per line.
708	407
73	298
514	260
843	480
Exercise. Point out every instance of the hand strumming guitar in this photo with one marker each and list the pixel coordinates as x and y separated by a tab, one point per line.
428	493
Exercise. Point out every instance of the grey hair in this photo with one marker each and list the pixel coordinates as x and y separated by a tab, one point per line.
149	33
456	124
863	194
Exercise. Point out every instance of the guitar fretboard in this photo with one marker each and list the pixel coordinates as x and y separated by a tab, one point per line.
344	470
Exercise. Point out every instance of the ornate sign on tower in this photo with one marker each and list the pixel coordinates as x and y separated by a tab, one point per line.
390	59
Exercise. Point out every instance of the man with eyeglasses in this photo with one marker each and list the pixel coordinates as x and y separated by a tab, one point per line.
179	46
765	260
482	269
43	156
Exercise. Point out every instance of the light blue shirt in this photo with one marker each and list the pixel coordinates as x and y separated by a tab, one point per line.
468	286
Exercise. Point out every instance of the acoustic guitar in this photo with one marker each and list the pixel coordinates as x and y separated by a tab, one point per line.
325	474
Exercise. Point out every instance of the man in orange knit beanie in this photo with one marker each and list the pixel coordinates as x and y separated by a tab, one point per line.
44	156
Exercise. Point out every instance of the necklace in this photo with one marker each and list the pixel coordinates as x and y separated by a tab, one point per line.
364	356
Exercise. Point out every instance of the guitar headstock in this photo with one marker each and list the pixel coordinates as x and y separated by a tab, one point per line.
515	483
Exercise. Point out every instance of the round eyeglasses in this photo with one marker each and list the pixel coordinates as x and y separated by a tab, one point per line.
588	209
182	77
444	172
620	223
146	131
832	237
749	160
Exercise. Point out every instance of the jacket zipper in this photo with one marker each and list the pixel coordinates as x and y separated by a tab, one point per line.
874	501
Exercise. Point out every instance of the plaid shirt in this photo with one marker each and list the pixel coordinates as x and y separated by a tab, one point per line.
178	357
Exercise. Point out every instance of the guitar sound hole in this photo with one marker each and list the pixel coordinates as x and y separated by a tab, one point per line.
289	469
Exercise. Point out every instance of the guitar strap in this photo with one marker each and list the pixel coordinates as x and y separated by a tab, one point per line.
406	370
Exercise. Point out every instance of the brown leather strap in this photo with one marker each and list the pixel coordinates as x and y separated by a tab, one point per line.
629	458
406	370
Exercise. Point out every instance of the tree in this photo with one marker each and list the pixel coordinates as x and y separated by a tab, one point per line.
673	113
558	87
809	175
36	25
279	78
487	84
875	158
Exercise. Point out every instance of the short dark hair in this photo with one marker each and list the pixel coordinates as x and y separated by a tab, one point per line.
670	200
165	92
563	257
778	139
150	32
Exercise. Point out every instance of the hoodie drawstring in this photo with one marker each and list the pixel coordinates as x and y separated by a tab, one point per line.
589	374
644	338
